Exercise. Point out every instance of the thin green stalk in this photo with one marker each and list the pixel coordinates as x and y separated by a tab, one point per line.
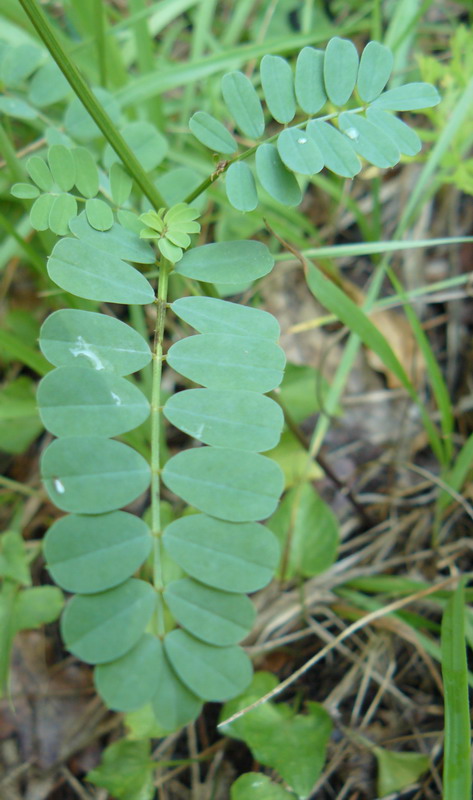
161	301
101	40
8	152
87	98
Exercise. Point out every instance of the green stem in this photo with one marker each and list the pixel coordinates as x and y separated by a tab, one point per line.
101	41
161	301
87	98
8	152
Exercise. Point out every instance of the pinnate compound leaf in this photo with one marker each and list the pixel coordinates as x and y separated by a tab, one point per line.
79	268
337	150
375	68
229	484
25	191
76	401
102	627
129	682
88	554
225	361
212	133
404	137
87	174
213	673
62	166
40	210
120	184
369	141
233	557
340	70
227	262
309	80
118	241
278	87
299	151
174	705
243	104
99	214
126	770
91	475
40	173
307	531
238	419
70	337
240	187
410	97
257	786
210	315
147	143
63	209
275	177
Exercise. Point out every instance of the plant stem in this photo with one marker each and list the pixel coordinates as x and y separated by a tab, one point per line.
164	269
8	152
90	102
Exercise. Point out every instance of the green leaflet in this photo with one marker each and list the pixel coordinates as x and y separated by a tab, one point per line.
40	173
243	104
87	174
213	673
14	107
130	681
24	190
275	177
299	151
102	627
48	85
225	361
79	268
226	262
239	419
375	68
229	484
216	617
369	140
63	209
340	70
278	87
229	556
90	475
78	122
212	133
240	187
410	97
209	315
309	80
120	184
90	554
174	705
404	137
76	401
40	211
337	150
99	214
148	145
62	166
86	339
257	786
18	62
118	241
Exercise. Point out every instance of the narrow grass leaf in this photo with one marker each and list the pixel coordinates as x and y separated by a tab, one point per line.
209	315
225	361
213	673
89	554
457	758
456	476
129	682
234	557
62	166
369	141
240	187
87	174
238	419
337	150
99	214
91	475
340	70
375	68
70	337
102	627
229	484
243	104
215	617
212	133
410	97
299	151
63	209
79	268
309	80
275	177
404	137
234	262
278	87
75	401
